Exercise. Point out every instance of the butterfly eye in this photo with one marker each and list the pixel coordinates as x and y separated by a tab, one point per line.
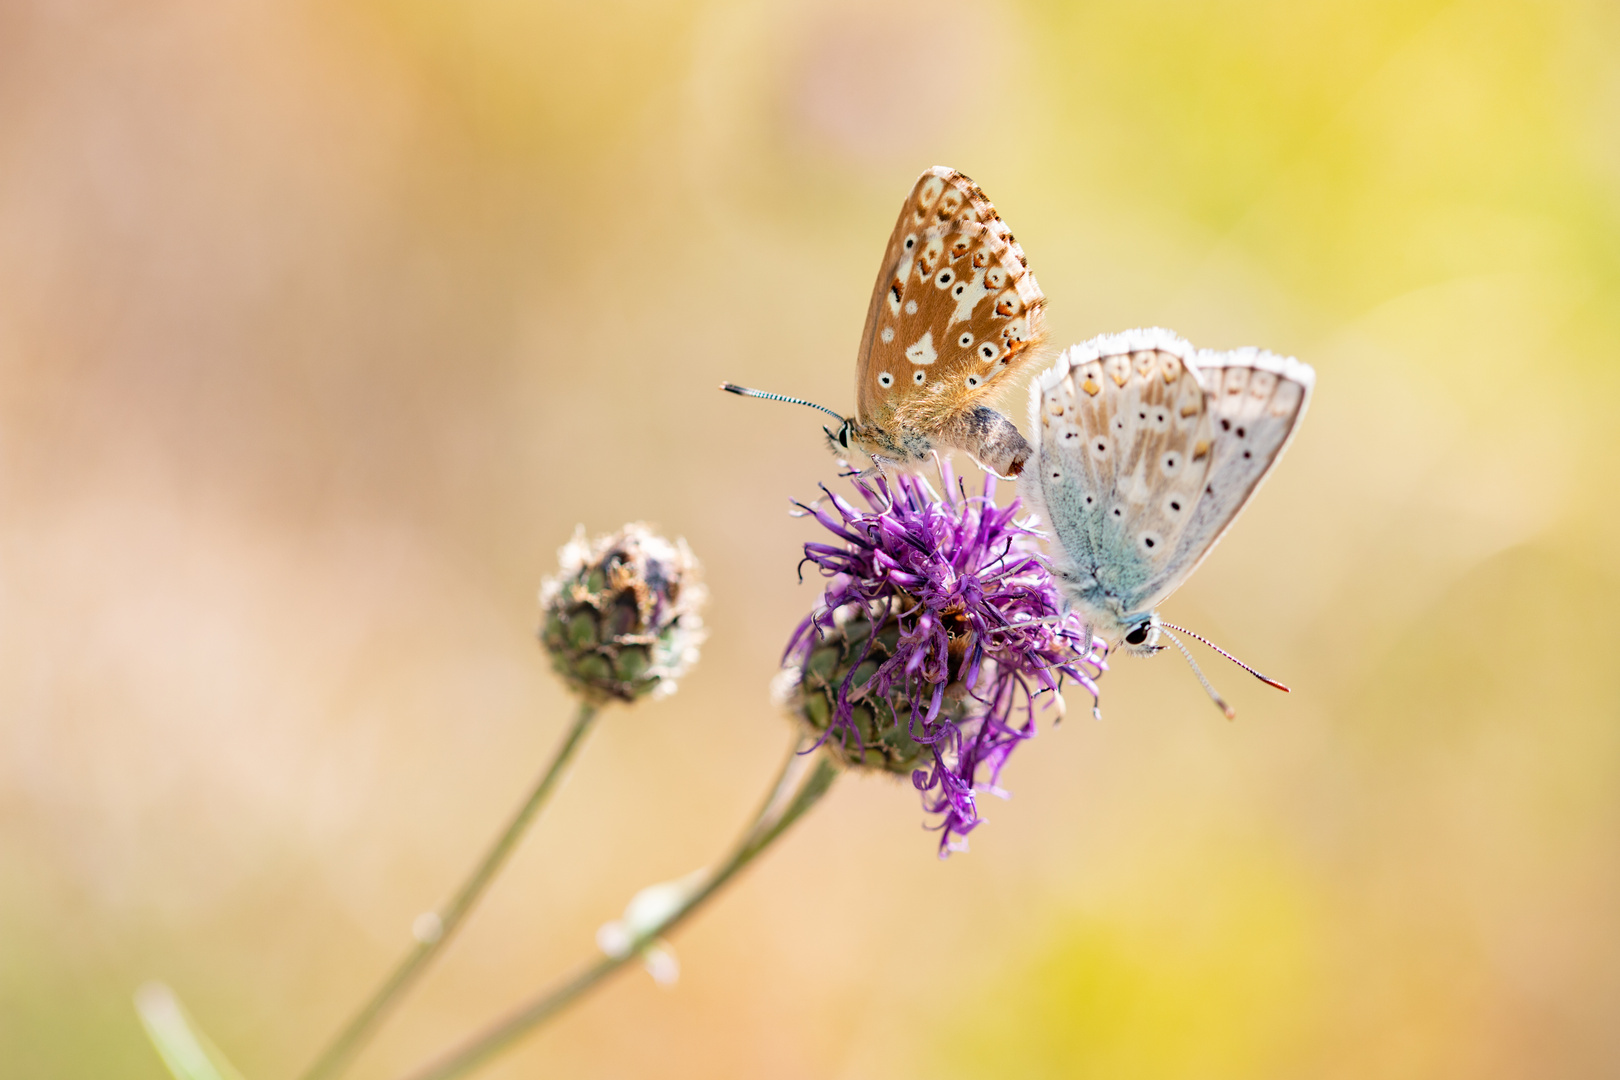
965	341
885	379
919	378
1138	634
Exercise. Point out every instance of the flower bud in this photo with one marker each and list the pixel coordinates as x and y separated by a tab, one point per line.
878	732
620	618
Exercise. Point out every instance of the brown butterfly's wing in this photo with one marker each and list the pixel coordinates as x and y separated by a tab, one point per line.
955	313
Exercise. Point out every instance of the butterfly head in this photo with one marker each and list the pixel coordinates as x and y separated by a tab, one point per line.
1137	632
1141	634
843	439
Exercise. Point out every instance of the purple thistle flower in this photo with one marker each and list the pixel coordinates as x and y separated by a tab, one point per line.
939	629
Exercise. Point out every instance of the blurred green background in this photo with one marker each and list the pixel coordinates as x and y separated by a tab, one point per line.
322	325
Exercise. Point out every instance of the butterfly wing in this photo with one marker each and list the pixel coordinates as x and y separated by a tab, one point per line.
1149	449
954	313
1255	401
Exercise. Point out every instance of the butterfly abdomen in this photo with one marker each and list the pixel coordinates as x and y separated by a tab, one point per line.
990	437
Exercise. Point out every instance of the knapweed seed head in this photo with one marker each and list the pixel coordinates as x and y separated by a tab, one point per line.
869	735
620	619
938	633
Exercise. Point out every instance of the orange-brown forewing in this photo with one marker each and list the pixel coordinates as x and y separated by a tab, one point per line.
954	313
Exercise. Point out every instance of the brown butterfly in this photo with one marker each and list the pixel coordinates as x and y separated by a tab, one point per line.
954	316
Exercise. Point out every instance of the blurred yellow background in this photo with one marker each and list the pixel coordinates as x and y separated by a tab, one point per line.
322	325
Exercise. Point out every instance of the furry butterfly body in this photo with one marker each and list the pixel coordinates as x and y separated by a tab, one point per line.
954	316
1148	451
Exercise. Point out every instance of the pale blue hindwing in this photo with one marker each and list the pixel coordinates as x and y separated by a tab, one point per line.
1148	450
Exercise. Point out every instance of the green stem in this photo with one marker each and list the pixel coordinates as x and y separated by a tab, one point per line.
761	832
360	1029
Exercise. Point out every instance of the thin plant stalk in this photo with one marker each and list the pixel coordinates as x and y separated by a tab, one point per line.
442	925
765	828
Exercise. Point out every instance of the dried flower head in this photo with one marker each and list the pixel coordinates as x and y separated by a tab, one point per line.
620	619
938	632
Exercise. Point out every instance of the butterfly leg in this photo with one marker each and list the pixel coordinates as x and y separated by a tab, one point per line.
881	483
871	472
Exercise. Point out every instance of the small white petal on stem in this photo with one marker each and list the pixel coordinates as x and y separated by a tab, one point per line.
647	911
649	908
613	939
427	927
661	964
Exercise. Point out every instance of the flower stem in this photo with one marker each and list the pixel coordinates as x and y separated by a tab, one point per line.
360	1029
762	831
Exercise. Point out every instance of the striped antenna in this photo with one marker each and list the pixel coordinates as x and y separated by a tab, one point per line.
744	391
1220	702
1268	680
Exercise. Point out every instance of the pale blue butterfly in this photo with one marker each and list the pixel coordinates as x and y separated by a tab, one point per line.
1148	451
